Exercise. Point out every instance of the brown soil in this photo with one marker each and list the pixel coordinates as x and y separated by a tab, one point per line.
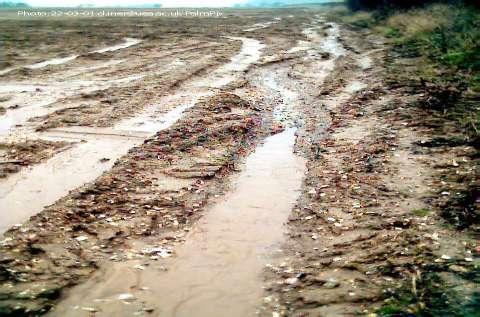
14	156
100	220
369	221
382	202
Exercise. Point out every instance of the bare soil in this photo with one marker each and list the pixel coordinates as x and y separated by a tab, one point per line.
384	202
14	156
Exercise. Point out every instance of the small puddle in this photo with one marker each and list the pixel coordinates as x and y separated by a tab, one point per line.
249	53
53	61
150	121
354	86
6	70
19	88
258	26
301	46
107	64
328	44
26	193
284	112
40	100
20	116
331	44
365	62
128	42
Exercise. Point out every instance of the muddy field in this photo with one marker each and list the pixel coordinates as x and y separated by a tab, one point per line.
251	164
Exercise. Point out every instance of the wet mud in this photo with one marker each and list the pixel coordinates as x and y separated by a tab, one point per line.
256	168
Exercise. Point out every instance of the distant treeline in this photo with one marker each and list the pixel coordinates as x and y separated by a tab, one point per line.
382	4
6	4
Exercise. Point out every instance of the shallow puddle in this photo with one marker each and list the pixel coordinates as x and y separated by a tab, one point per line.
150	121
26	193
6	70
258	26
329	44
354	86
53	61
128	42
39	100
285	112
217	272
249	53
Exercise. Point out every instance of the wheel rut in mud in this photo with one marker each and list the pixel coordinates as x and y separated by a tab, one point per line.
165	214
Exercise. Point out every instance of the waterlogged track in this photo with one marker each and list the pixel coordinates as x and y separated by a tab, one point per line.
217	272
132	236
218	269
29	100
96	150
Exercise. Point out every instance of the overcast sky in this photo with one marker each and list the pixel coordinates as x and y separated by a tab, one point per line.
165	3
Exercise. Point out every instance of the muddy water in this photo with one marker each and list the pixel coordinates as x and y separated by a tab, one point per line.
150	121
331	44
53	61
36	100
217	271
26	193
128	42
328	44
285	112
258	26
250	53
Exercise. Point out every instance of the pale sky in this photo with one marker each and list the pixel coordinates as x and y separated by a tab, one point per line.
164	3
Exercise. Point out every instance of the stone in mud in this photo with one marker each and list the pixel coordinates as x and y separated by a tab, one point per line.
331	283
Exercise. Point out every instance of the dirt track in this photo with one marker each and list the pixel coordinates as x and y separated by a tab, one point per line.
177	145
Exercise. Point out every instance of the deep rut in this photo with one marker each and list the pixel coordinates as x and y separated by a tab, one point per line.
218	269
